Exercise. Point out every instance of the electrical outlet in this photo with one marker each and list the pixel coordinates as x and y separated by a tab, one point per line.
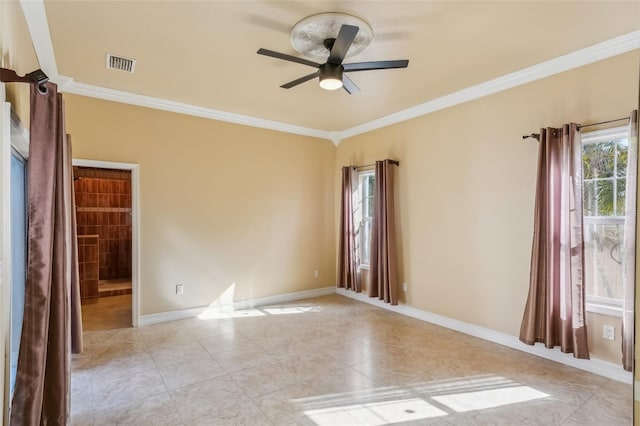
316	274
404	287
609	332
180	289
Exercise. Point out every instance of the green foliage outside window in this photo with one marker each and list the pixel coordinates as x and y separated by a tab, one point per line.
604	168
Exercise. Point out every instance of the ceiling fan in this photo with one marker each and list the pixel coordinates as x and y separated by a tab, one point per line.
332	73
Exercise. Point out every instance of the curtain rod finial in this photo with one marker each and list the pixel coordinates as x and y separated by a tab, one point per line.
535	136
38	77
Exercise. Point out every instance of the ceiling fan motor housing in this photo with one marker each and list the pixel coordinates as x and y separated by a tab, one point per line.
331	71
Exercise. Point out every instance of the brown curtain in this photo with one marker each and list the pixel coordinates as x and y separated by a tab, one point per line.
555	309
629	259
383	265
51	311
348	276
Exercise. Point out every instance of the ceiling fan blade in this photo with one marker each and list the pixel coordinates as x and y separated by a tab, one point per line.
375	65
286	57
300	80
349	85
342	44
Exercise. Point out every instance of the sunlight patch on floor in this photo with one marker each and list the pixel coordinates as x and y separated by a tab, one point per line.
379	413
416	401
224	308
484	399
285	310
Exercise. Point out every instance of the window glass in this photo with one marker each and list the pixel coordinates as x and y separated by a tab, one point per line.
364	205
604	163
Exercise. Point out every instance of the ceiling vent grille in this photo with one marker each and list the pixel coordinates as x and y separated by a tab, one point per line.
120	63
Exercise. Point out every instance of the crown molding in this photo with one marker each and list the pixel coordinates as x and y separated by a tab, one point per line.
35	15
597	52
38	25
92	91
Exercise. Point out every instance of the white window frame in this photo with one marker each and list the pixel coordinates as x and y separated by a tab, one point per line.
359	216
598	304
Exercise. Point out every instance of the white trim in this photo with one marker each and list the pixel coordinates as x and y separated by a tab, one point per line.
19	136
597	52
182	108
335	138
636	390
35	15
5	254
605	134
135	226
596	366
604	309
242	304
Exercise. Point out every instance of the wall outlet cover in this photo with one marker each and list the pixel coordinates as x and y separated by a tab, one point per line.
608	332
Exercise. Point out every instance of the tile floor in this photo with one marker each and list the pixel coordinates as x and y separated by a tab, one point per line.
325	361
106	313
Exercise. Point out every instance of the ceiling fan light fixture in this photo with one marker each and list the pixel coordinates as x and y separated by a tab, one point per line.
330	83
331	76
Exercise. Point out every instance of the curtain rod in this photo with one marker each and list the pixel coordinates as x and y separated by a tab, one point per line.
394	162
537	135
35	77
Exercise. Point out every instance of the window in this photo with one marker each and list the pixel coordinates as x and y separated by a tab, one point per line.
604	165
18	218
363	212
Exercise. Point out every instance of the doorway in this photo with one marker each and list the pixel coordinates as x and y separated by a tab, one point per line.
104	217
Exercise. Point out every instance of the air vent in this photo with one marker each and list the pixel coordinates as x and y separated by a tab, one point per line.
120	63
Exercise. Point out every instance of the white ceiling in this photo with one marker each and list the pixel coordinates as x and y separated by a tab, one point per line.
203	53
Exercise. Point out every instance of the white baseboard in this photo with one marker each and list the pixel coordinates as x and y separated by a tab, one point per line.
596	366
241	304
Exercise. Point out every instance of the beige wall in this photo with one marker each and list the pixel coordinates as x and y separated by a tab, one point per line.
16	52
465	189
221	205
606	350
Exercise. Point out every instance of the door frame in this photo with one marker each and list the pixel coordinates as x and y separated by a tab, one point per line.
135	225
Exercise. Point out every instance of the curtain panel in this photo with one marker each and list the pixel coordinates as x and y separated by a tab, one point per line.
555	308
383	264
52	321
629	259
348	275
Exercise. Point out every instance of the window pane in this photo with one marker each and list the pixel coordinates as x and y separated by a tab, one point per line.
605	194
621	191
602	258
590	207
598	160
366	242
372	185
623	145
370	207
